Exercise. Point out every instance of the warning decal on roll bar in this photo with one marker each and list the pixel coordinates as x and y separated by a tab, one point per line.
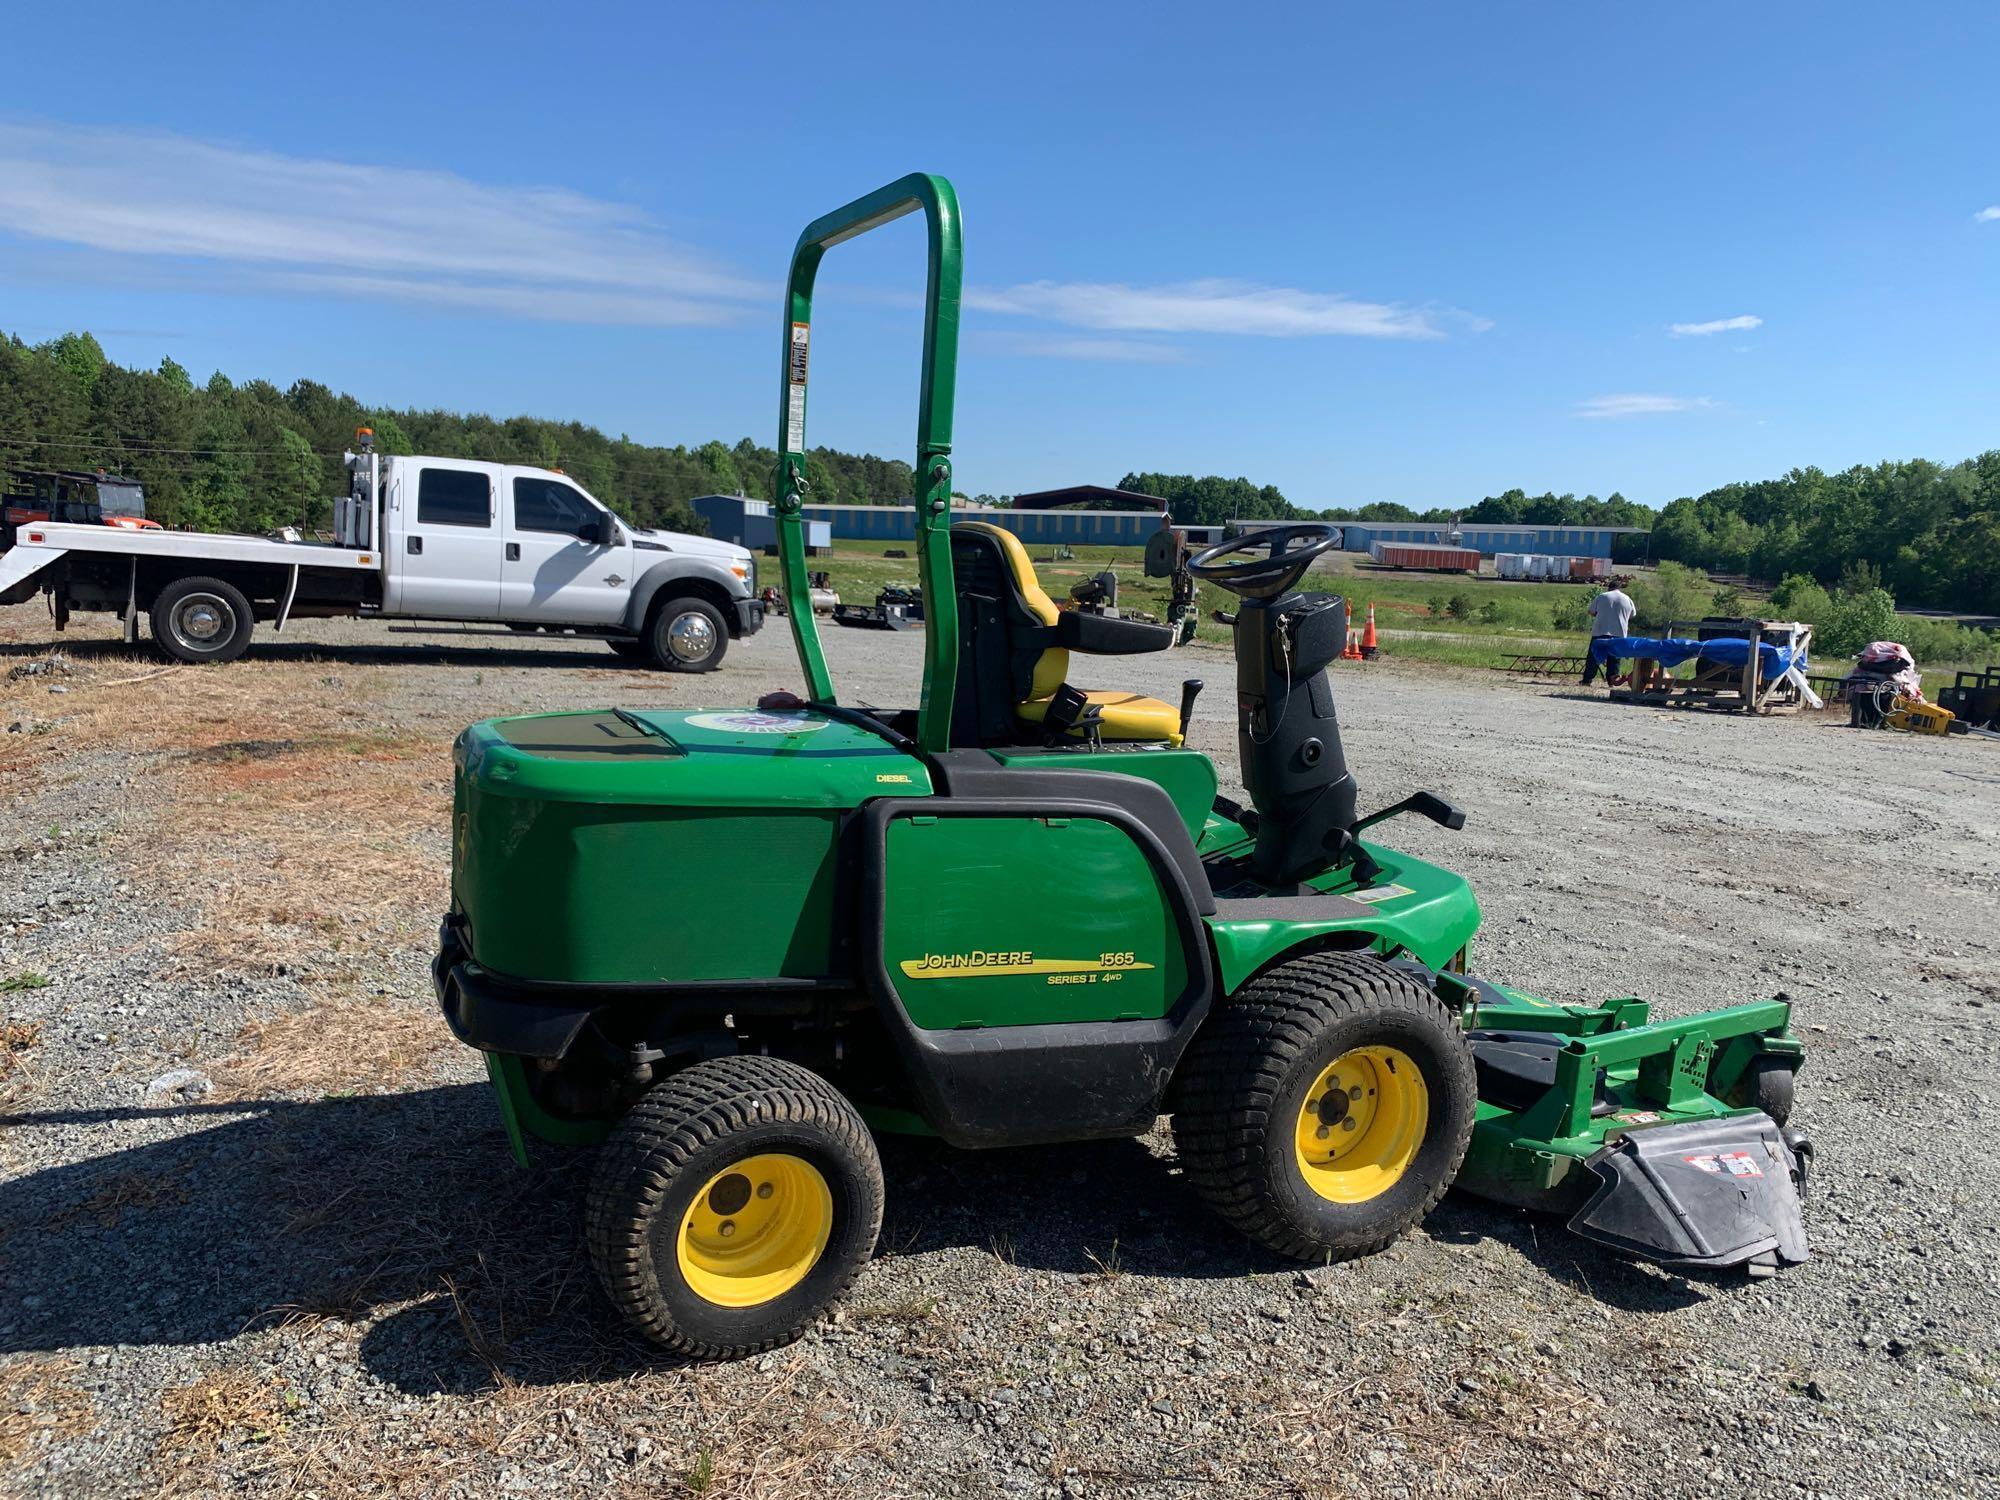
795	395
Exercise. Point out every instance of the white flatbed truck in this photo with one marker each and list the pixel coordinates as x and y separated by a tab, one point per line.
415	538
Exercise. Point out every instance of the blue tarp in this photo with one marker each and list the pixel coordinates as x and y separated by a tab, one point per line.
1671	651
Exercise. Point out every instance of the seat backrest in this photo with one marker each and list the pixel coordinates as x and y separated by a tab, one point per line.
1006	654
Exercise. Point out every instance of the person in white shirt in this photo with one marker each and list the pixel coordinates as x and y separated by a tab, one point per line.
1610	614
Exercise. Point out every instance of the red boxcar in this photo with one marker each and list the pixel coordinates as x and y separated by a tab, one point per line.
1425	555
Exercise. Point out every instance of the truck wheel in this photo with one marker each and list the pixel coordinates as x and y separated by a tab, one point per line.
732	1205
688	635
202	619
1326	1108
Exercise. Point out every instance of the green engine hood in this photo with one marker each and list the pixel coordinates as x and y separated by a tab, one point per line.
642	848
688	758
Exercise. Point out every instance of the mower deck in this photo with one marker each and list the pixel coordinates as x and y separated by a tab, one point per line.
1624	1124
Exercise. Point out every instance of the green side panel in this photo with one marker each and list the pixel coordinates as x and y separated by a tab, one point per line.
1017	921
522	1114
645	895
1415	907
578	855
1187	775
508	1090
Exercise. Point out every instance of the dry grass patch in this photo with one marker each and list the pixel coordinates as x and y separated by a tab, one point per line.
121	1191
729	1434
269	802
230	1405
39	1400
16	1038
297	827
338	1047
327	846
1516	1436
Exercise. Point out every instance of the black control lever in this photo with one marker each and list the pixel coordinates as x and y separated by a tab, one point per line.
1428	804
1190	690
1070	711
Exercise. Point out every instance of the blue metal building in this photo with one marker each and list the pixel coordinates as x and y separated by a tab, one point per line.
750	523
1557	541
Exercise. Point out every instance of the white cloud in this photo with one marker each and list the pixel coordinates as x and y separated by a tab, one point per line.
1741	324
1214	306
1130	351
371	231
164	209
1987	215
1640	406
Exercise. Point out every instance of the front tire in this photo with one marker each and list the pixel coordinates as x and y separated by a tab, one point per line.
733	1204
688	635
1326	1109
202	620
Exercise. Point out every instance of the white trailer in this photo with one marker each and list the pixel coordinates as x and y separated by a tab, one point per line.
415	539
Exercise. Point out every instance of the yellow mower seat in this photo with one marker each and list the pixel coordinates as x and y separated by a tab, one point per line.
1015	648
1127	716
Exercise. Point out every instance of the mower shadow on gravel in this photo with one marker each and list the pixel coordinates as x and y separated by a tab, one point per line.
401	1212
1085	1208
1602	1276
269	1212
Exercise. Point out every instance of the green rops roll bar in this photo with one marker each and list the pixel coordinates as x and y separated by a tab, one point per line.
934	195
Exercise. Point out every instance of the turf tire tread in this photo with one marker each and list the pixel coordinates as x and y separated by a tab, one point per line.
1235	1070
664	1131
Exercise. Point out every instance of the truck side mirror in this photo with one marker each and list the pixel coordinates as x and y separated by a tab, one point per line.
603	530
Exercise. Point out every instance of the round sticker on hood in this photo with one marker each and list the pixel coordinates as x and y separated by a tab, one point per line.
751	722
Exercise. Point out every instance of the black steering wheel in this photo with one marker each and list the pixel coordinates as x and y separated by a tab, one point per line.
1287	552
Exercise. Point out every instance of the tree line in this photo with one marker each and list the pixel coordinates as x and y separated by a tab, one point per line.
224	456
1928	532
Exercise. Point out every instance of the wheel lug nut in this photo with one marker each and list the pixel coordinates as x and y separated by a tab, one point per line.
764	1190
1322	1133
1355	1092
1348	1123
728	1227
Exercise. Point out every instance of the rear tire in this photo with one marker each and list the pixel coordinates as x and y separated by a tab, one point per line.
688	635
1327	1107
732	1205
202	620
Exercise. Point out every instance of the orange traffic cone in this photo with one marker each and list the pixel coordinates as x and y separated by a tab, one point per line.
1352	652
1368	646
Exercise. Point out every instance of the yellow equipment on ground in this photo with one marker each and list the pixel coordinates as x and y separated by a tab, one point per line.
1918	717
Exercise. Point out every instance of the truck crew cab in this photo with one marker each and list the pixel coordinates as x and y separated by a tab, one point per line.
415	538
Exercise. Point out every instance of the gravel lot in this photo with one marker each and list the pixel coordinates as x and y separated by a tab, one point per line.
259	1231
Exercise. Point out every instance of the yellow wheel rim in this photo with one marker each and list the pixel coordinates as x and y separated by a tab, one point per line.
755	1230
1361	1124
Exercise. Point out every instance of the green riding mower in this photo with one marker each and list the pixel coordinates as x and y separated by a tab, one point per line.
730	945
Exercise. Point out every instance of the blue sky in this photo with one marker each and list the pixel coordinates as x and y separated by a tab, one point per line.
1416	253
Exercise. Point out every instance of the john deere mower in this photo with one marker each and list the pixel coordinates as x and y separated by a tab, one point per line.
730	945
